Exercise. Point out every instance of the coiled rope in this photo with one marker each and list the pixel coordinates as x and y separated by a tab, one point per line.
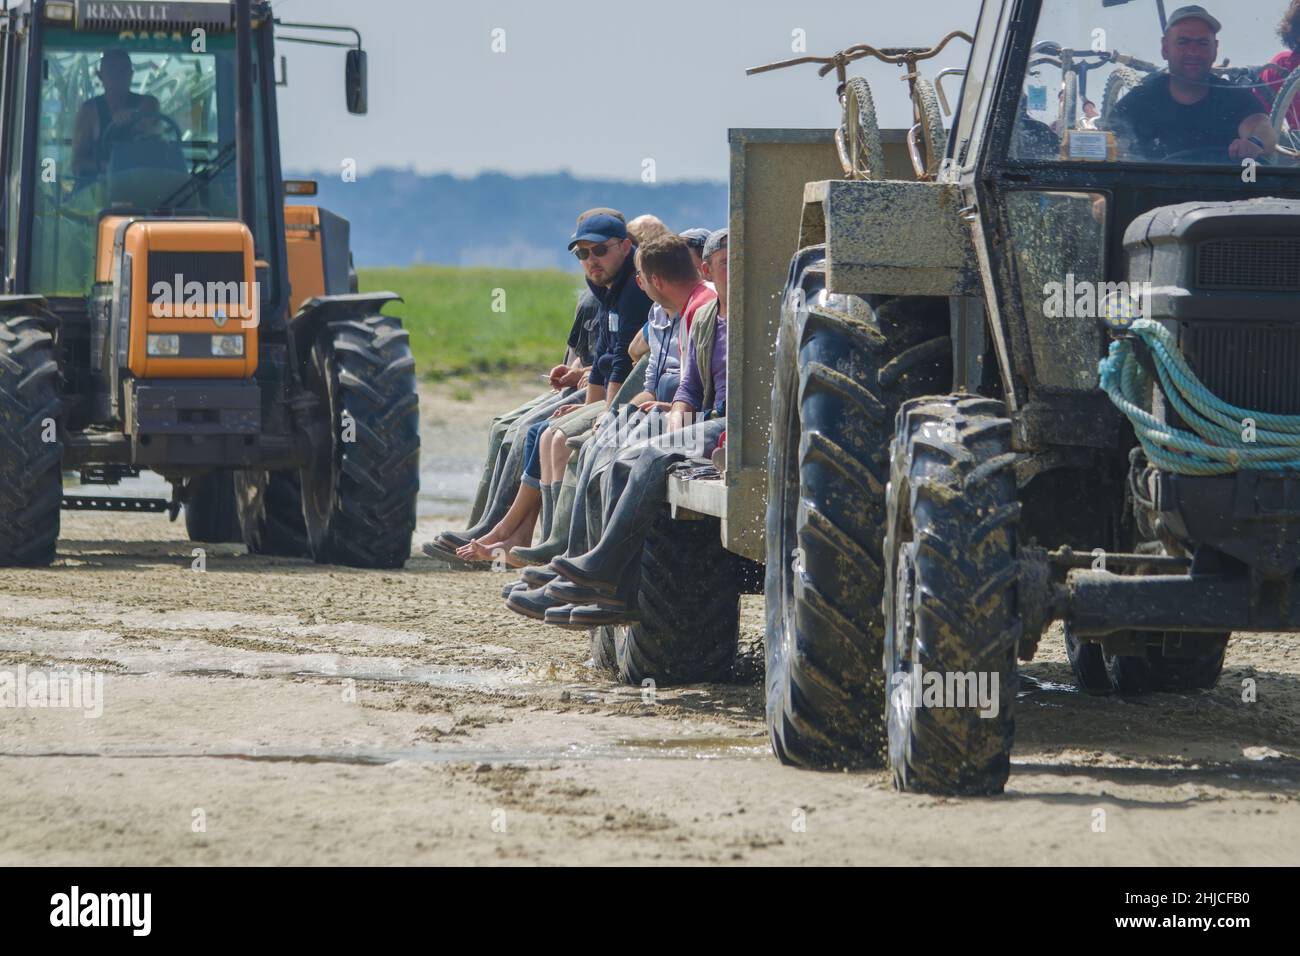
1220	438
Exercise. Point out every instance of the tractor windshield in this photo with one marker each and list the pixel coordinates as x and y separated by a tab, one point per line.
129	122
1106	84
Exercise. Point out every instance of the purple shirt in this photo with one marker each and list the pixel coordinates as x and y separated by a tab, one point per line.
691	389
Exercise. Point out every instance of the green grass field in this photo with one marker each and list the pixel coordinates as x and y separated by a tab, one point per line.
473	321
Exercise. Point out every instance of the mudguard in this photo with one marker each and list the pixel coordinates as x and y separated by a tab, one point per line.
320	311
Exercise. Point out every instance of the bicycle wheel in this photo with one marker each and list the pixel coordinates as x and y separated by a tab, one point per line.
932	131
1288	135
858	139
1118	84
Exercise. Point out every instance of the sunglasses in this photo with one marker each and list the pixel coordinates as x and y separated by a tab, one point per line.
597	251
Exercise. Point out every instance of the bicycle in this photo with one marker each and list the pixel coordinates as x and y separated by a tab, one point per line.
858	137
1075	65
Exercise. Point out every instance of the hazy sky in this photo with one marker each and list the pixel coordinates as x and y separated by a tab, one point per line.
591	87
598	87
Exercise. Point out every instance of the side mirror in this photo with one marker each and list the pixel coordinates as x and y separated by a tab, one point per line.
355	81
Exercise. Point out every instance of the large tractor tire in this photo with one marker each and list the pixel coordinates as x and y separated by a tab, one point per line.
359	492
1131	675
844	365
270	513
211	511
950	607
689	602
31	450
604	656
1087	664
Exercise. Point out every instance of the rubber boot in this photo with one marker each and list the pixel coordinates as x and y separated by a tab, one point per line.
634	494
563	494
546	513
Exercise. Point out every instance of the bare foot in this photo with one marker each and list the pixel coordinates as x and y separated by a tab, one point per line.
471	551
484	551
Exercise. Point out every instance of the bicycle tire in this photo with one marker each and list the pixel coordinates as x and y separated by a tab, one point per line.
933	134
862	154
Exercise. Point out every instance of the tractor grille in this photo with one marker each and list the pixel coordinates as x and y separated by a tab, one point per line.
1260	264
203	267
1252	366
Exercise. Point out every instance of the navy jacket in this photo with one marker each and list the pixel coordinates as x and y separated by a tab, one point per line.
623	310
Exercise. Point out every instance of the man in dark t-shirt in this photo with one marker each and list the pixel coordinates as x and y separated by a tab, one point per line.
1188	109
116	106
586	329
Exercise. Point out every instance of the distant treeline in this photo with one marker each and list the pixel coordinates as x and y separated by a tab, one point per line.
402	218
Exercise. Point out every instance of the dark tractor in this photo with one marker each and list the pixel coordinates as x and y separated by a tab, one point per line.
1061	383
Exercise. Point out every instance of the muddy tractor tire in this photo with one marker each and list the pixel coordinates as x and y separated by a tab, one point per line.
270	513
950	603
604	656
844	365
359	491
1087	664
31	450
211	511
689	602
1131	675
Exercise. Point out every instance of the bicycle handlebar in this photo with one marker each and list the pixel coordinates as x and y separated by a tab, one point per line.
908	56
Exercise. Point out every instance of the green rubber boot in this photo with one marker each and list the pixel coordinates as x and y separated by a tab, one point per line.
547	500
554	544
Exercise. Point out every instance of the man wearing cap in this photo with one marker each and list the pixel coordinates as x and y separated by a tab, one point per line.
1187	109
695	239
602	246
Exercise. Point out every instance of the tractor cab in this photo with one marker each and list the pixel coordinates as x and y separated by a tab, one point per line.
1083	117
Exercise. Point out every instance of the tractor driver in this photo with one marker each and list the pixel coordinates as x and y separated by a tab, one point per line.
116	105
1189	110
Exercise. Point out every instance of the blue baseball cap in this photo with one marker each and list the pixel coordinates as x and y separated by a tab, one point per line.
697	237
599	228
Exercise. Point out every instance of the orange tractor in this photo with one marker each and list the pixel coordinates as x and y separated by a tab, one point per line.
164	309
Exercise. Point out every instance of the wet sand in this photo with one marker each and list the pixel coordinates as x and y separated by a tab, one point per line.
274	711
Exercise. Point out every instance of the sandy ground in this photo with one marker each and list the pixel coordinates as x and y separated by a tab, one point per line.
272	711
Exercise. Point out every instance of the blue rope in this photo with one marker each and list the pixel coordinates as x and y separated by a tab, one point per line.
1217	443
